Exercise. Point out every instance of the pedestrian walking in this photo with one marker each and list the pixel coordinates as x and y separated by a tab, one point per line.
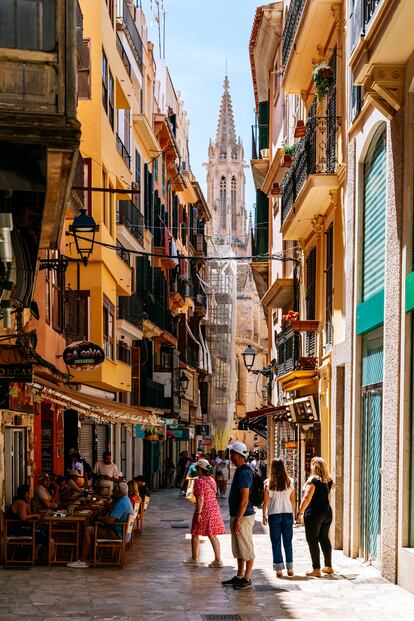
241	518
222	473
278	509
316	511
207	520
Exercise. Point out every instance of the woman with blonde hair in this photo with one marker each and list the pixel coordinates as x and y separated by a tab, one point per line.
317	516
278	508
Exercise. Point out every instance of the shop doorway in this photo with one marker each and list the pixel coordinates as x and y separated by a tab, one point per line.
15	466
371	429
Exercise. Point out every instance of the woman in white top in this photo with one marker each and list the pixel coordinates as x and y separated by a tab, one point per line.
278	509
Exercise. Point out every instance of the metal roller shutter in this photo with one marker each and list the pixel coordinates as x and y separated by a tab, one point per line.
102	439
86	442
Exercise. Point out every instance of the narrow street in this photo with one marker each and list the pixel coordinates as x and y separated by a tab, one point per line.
155	585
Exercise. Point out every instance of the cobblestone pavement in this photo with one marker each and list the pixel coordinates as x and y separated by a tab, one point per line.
155	585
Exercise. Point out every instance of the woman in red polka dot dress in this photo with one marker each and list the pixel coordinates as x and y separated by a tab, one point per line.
207	520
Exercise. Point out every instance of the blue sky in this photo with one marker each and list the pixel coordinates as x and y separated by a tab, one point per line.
200	36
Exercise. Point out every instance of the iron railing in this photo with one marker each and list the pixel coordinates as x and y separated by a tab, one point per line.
159	315
128	215
288	347
260	141
362	13
124	255
128	24
122	150
316	154
123	55
132	310
152	395
291	27
123	353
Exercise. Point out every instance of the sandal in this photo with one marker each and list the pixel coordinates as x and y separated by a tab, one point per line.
315	573
290	573
279	573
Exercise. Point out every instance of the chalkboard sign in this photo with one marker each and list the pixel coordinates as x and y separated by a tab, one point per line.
47	446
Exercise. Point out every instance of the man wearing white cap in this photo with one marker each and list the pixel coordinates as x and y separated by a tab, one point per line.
241	518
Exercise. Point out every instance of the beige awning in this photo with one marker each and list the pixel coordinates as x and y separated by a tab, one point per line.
95	407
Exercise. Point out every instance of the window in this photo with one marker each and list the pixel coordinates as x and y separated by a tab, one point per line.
110	203
76	315
155	169
104	81
311	300
111	10
329	287
28	24
233	203
163	173
223	203
108	328
84	70
111	100
47	291
105	207
58	288
138	180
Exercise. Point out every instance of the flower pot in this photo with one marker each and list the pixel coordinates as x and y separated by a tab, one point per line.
300	129
286	161
305	325
275	191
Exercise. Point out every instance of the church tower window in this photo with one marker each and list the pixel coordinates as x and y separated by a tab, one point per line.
223	202
233	203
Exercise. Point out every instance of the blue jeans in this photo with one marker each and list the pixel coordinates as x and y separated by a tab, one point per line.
281	527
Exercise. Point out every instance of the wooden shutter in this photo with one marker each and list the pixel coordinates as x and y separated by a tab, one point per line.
329	287
311	299
84	70
375	180
136	376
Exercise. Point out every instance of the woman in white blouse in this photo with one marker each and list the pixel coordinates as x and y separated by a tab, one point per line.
278	509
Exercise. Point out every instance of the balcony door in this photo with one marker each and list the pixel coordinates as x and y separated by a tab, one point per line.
15	472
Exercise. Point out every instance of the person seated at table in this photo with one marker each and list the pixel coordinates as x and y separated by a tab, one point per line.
19	511
68	489
133	493
142	486
76	468
43	493
110	528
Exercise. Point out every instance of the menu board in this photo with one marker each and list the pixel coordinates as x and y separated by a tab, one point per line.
47	446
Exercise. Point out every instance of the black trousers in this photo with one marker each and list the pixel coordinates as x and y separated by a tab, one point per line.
317	534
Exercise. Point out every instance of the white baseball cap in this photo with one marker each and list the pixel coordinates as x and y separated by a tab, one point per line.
239	447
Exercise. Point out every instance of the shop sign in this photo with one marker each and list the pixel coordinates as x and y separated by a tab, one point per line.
291	445
181	434
83	355
16	372
202	430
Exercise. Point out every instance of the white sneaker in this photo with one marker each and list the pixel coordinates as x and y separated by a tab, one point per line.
216	564
77	565
191	562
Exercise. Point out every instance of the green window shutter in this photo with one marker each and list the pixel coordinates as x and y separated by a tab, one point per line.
311	300
375	184
372	358
329	287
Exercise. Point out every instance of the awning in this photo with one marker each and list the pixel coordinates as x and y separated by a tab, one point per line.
95	407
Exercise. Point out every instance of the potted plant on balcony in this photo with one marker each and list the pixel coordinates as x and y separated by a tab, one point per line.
323	77
300	325
288	153
150	433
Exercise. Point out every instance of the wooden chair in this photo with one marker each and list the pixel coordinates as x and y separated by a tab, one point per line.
111	551
134	524
63	542
19	549
140	518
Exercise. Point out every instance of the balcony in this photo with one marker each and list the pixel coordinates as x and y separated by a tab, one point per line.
189	355
381	43
200	303
123	353
122	150
131	309
159	315
308	188
128	215
308	26
123	55
126	23
200	245
152	395
260	153
294	371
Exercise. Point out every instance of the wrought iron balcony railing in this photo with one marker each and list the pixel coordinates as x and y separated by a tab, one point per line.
128	215
159	315
260	141
291	26
152	395
362	12
123	55
127	23
122	150
316	154
132	310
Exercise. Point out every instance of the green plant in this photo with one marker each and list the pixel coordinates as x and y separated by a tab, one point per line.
323	79
290	149
150	431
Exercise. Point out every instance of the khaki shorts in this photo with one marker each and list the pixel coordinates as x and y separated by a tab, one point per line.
242	544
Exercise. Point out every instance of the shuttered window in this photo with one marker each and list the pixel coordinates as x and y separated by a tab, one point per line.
373	253
311	300
84	70
329	286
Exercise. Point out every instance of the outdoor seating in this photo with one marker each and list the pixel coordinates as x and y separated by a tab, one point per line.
111	551
142	507
64	540
19	548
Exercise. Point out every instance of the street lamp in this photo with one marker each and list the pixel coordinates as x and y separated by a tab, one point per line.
249	356
184	381
85	226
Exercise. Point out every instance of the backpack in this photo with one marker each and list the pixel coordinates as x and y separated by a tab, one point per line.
256	491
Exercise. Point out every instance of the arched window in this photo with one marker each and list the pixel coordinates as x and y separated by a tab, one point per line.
223	203
233	204
375	186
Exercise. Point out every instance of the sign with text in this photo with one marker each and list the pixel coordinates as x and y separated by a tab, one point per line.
16	372
83	355
202	430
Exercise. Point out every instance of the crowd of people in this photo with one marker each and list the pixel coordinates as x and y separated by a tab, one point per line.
79	482
278	505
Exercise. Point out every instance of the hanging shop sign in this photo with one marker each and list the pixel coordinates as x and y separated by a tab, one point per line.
83	356
202	430
16	372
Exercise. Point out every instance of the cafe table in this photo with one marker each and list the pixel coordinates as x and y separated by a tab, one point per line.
65	535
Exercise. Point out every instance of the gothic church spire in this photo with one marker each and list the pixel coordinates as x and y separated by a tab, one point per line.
226	132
